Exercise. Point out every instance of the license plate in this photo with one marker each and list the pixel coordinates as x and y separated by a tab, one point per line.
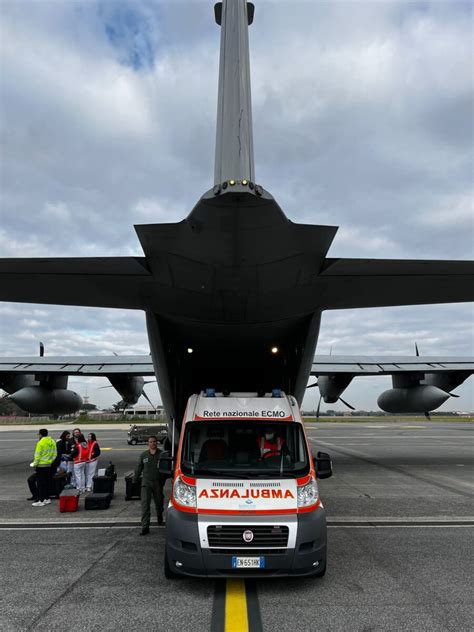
248	562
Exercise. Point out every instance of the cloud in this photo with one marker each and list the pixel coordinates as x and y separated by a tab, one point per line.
362	118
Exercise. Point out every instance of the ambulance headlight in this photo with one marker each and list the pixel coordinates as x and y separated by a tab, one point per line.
184	494
308	494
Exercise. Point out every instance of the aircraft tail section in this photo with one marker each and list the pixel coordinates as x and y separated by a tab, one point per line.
88	281
234	137
351	283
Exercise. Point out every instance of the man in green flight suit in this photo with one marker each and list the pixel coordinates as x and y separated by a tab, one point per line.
152	483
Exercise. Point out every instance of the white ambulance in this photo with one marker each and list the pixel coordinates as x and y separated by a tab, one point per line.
244	499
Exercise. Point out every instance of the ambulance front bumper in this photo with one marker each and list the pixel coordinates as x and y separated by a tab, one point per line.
190	552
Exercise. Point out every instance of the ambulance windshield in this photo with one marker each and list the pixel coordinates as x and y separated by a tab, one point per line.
244	449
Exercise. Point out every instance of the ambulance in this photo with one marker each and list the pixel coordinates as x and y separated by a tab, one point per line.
245	500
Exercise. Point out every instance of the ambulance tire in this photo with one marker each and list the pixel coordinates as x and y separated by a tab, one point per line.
168	573
133	442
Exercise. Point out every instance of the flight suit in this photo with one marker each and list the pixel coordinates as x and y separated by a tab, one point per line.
152	485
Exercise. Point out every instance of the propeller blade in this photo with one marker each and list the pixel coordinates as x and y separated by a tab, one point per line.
101	387
453	395
148	399
312	385
417	353
318	408
149	382
346	404
41	349
427	415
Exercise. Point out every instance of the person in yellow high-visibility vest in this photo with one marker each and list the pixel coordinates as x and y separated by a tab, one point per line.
45	454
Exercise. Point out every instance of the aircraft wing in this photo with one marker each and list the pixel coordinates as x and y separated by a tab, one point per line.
349	283
322	365
389	365
130	283
80	365
90	281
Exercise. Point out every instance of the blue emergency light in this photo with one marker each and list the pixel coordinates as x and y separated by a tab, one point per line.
276	392
210	392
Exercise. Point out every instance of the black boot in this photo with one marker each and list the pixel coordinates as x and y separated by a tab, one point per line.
145	531
160	520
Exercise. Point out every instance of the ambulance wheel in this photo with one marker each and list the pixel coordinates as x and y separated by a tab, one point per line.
133	442
167	569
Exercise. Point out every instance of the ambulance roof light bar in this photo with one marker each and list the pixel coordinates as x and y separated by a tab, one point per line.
276	392
210	392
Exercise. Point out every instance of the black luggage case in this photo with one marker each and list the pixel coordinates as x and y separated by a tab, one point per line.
58	483
132	490
104	485
98	501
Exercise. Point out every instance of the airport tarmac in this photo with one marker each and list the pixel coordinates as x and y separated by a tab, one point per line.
400	514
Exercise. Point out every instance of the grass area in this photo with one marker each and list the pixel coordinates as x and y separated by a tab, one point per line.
34	421
91	421
82	420
390	419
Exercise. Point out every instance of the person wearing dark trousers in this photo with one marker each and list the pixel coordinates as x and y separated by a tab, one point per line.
152	483
33	485
45	454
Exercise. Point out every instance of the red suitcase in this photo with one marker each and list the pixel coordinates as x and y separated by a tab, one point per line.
69	500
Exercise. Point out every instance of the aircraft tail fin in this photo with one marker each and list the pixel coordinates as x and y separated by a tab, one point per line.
234	158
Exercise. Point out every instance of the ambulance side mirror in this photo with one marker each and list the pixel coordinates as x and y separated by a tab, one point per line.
322	465
166	464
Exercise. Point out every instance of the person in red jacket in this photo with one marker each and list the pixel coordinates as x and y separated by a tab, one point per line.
270	444
80	456
94	453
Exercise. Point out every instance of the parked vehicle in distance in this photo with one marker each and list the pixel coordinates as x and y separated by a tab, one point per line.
245	499
139	434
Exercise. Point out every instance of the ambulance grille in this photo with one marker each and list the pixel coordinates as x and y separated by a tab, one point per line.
264	536
246	551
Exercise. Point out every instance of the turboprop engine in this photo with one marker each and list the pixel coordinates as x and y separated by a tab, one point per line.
331	387
47	400
419	398
129	387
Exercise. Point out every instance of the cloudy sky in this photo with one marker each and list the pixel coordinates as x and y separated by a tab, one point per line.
363	118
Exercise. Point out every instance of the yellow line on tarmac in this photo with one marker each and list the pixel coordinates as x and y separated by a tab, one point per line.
118	449
236	618
413	427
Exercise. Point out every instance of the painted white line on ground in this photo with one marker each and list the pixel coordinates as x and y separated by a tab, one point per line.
74	528
401	526
384	437
330	526
34	438
135	522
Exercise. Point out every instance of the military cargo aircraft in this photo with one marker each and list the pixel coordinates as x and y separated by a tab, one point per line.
233	294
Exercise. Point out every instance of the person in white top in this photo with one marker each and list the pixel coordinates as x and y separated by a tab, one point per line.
94	453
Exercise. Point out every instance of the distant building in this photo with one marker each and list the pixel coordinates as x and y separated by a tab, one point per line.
145	411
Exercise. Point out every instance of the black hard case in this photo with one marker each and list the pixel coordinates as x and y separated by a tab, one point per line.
97	501
104	485
57	484
132	490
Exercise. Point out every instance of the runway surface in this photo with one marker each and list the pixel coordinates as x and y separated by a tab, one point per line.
401	519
